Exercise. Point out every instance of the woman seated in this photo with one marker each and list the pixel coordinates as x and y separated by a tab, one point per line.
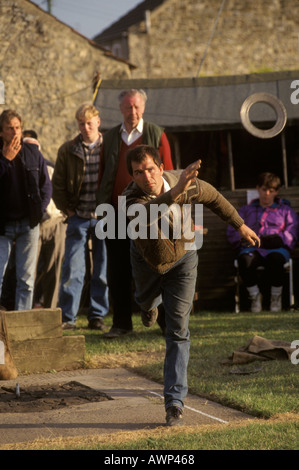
276	223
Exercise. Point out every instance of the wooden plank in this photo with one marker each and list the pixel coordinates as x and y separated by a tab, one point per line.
44	355
25	325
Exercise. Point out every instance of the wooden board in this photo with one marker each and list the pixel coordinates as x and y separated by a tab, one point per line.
31	324
37	343
44	355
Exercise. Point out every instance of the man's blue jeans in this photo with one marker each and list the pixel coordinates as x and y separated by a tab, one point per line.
78	232
175	288
26	244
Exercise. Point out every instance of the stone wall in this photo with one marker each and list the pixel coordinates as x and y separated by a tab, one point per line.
47	69
251	36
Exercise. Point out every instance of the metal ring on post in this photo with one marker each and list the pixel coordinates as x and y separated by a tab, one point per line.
275	103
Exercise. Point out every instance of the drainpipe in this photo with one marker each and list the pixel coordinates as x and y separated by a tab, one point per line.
284	160
147	15
231	161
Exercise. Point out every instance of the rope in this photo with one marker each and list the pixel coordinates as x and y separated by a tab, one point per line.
96	90
211	36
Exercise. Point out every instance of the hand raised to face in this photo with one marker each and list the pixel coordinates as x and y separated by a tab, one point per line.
10	150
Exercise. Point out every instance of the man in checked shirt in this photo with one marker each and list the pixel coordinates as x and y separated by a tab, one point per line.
75	182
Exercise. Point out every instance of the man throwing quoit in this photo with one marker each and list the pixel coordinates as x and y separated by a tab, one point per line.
113	179
165	269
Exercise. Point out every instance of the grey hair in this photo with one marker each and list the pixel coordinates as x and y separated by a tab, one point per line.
132	92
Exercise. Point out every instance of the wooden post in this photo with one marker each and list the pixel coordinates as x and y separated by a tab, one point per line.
284	160
231	161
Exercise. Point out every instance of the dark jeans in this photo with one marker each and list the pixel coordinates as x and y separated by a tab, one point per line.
26	243
74	267
175	288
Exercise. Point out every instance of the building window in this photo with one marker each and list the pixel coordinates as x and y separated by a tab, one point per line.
116	50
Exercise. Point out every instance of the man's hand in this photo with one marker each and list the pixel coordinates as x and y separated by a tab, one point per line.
186	177
70	213
249	235
11	150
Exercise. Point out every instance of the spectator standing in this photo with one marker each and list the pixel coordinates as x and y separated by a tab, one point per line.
74	187
50	247
25	192
113	178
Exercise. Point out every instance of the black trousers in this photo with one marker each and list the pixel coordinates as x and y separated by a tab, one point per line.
273	263
120	282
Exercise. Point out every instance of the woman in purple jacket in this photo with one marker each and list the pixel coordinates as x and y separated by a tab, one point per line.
276	223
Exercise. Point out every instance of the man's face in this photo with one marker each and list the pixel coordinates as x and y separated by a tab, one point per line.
266	195
89	129
11	129
148	176
132	109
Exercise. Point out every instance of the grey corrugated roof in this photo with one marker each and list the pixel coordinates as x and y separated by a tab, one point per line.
134	16
199	103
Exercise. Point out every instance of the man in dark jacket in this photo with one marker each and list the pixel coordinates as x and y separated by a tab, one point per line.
25	192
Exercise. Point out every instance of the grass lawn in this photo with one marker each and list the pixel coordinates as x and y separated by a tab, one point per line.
214	336
269	394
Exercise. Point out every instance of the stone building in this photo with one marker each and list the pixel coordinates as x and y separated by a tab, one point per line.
47	71
191	38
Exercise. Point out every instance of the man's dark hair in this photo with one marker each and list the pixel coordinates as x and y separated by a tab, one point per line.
139	153
30	133
7	115
270	180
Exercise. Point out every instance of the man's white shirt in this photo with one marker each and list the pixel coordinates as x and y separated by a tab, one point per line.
129	138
